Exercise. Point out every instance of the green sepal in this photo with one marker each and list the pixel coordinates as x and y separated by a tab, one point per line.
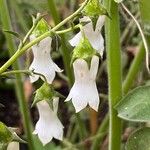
94	9
57	94
45	92
94	21
16	138
14	34
5	134
41	28
8	135
83	50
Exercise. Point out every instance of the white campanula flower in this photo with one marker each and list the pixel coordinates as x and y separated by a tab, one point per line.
13	146
94	37
48	125
42	61
84	90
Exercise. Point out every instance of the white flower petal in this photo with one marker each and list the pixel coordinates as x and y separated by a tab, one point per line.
57	130
76	39
13	146
42	62
43	132
56	68
79	103
94	98
55	104
85	19
48	125
100	23
94	37
78	94
96	41
84	90
81	69
94	67
34	78
35	132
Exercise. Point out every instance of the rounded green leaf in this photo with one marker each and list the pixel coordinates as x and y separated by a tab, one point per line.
139	140
135	106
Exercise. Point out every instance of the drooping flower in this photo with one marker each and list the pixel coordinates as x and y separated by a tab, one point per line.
48	125
13	146
94	36
42	62
84	90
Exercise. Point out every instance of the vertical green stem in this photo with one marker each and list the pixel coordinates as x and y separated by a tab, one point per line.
65	50
18	82
112	30
134	68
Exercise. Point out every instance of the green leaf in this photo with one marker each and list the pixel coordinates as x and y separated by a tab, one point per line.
135	106
14	34
139	140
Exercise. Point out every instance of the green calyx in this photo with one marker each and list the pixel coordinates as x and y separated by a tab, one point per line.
94	9
8	135
5	134
41	28
83	50
45	92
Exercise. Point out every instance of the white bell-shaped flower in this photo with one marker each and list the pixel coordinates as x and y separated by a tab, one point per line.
84	90
48	125
42	62
13	146
94	37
